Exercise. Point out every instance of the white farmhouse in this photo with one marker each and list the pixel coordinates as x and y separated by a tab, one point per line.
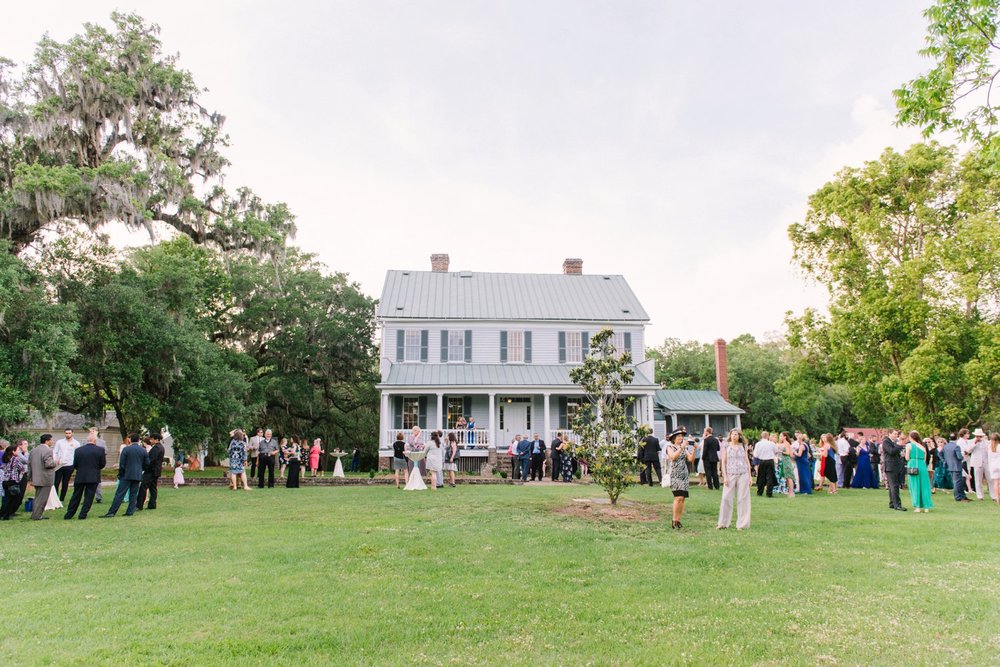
497	349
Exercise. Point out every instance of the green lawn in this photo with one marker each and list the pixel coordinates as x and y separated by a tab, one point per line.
495	575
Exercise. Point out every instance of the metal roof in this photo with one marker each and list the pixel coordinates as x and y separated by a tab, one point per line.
701	402
488	375
469	295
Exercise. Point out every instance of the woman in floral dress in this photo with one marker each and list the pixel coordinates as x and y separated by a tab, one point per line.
238	460
679	455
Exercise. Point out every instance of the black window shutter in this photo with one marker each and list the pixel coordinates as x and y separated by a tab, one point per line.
585	343
400	344
422	419
444	345
397	412
562	348
562	412
467	406
503	347
468	346
527	347
423	345
627	336
444	411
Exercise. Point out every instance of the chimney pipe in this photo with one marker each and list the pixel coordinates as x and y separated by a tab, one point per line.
573	266
721	368
439	263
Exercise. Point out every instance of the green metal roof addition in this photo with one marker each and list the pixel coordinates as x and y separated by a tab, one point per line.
695	401
468	295
488	375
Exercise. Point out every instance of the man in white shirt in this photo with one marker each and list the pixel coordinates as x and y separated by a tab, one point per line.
975	452
843	451
253	451
765	452
63	453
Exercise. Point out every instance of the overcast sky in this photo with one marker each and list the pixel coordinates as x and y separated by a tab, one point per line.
672	142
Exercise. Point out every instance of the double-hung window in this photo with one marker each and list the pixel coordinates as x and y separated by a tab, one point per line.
456	346
412	345
411	405
574	347
515	346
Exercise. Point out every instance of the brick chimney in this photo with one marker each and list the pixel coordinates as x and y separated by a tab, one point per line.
721	368
573	266
439	263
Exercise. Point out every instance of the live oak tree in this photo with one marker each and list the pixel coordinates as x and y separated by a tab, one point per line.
608	438
106	127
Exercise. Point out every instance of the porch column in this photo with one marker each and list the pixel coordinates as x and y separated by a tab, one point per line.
708	422
673	420
440	424
383	422
491	436
738	424
548	422
649	411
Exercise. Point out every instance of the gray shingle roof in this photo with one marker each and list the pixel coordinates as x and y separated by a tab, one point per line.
508	296
695	402
487	375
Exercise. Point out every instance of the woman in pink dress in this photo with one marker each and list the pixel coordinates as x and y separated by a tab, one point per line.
314	453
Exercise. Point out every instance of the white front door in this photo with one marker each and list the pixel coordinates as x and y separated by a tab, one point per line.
515	421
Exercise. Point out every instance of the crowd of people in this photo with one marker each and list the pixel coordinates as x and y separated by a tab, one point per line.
791	464
49	467
265	454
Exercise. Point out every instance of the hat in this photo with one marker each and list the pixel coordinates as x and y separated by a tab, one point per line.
979	432
675	433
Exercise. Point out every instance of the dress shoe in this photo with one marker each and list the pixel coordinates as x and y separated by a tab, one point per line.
43	518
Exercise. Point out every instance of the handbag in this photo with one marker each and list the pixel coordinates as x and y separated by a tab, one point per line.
912	471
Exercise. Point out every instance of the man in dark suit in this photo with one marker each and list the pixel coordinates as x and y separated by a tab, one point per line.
650	453
88	461
152	472
42	473
892	459
556	461
952	457
875	451
130	465
524	457
537	458
710	458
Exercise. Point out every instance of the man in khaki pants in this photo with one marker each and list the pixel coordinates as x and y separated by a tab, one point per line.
42	473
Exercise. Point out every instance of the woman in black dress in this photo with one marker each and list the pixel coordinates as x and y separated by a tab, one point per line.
293	454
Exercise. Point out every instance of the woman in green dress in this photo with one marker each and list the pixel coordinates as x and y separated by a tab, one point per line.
920	485
786	467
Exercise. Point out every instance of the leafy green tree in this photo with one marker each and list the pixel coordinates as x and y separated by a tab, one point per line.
106	127
311	336
957	92
907	247
608	437
684	365
37	344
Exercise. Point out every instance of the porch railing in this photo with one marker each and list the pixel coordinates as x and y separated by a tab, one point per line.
477	438
573	437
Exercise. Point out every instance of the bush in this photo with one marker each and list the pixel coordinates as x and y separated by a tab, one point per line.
503	474
371	474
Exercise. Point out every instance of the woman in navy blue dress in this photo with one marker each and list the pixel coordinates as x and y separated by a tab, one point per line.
800	450
863	477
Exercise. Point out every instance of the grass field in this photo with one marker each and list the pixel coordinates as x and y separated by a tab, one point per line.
502	575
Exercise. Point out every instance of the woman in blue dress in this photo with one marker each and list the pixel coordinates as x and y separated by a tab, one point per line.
801	453
863	477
